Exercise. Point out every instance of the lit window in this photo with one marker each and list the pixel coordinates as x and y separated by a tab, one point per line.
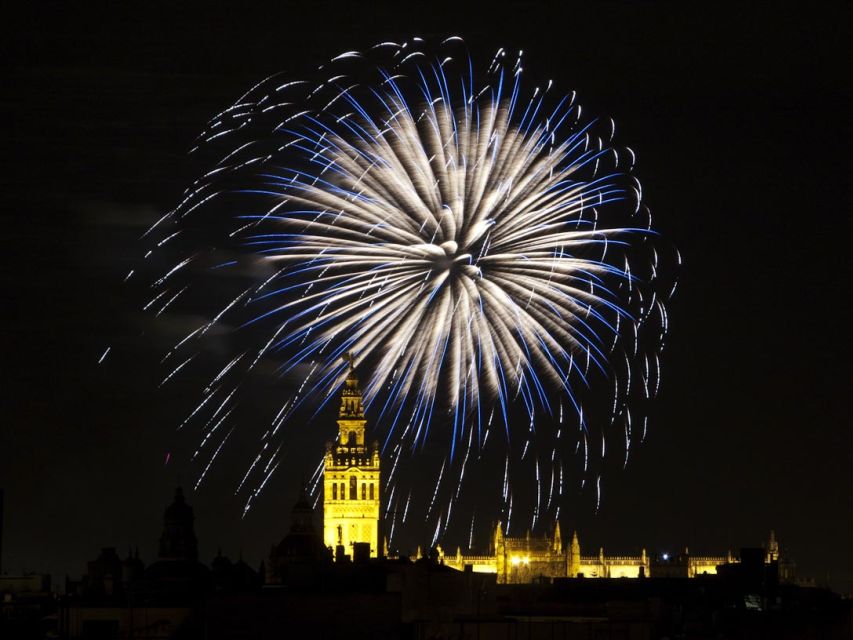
335	491
363	491
371	491
353	488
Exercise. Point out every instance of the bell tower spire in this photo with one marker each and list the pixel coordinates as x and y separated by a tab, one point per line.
351	415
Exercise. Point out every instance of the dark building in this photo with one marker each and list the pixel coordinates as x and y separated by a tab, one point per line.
178	541
306	594
27	606
177	569
166	599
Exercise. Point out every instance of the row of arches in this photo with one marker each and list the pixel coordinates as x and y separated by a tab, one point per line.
368	490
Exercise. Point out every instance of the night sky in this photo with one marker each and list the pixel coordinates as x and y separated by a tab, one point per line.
741	121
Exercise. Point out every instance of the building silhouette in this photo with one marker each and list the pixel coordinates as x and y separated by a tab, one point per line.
302	592
126	599
301	553
337	582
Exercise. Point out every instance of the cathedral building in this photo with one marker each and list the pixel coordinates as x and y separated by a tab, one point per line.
527	558
351	480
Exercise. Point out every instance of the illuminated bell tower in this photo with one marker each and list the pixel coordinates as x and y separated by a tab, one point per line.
351	478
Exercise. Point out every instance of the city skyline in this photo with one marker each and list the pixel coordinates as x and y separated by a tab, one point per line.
739	124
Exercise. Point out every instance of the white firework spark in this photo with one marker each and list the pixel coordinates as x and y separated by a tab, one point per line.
471	239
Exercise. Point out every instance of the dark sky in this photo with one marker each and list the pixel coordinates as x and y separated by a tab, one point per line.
741	120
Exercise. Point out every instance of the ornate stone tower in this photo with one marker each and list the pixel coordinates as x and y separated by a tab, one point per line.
351	479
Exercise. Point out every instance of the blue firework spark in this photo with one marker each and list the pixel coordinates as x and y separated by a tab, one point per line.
473	238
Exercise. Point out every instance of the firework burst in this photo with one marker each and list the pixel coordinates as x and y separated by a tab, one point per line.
475	240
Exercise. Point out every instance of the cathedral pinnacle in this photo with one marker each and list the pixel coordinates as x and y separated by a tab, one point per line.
772	547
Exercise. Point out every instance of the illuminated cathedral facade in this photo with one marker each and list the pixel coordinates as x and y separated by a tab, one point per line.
526	558
351	520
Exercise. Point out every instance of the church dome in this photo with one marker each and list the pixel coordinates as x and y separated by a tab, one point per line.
179	510
302	545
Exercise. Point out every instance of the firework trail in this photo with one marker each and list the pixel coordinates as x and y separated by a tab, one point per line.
472	237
